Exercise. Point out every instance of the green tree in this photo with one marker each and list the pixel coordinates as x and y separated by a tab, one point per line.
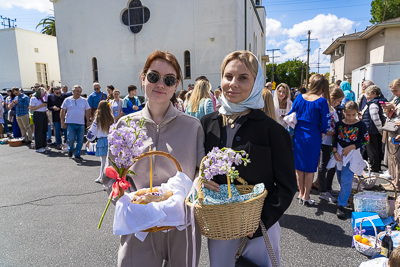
49	25
382	10
288	72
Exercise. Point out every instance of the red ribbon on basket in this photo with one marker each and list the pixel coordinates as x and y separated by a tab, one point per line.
120	181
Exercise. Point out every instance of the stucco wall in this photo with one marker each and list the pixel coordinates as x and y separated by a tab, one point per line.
47	53
96	30
355	55
392	44
9	65
375	48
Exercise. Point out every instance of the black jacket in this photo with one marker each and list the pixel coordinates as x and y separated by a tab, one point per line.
270	151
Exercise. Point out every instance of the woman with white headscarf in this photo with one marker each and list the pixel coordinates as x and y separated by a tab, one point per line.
240	124
282	102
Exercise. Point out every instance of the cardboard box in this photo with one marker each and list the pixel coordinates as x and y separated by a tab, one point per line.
356	218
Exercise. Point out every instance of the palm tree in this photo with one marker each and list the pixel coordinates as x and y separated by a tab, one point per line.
49	25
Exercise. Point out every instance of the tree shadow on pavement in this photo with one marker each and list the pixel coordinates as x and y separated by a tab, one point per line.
316	231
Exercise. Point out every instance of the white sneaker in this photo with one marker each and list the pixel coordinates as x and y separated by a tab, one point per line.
41	150
386	174
47	148
328	197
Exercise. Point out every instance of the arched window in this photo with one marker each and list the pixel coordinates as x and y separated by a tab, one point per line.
95	70
186	56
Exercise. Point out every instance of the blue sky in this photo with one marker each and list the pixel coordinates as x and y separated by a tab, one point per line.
289	20
287	23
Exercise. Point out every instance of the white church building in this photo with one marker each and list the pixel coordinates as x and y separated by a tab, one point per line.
109	41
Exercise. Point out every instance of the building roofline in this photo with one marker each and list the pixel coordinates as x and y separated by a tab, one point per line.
371	30
258	17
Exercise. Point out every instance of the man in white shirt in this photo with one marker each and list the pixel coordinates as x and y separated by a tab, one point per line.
73	112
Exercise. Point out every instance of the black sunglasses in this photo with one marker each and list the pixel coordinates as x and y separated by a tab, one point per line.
154	77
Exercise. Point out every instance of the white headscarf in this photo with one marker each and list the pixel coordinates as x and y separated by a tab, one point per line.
254	101
276	104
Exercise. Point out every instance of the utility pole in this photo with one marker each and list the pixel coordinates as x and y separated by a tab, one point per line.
319	50
308	55
273	51
7	22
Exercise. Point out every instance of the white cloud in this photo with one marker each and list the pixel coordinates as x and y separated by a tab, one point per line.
323	26
293	50
274	28
44	6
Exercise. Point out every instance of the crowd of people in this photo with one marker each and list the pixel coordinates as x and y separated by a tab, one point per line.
289	137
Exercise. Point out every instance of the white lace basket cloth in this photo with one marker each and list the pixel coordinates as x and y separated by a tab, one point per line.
369	201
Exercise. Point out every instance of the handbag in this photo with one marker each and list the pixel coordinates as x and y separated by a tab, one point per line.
240	261
390	126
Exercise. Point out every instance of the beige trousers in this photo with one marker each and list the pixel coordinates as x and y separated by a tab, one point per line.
23	123
157	247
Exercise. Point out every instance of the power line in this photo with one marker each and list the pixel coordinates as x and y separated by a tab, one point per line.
307	9
308	55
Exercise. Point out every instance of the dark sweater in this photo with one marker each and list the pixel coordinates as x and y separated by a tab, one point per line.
55	101
270	151
355	134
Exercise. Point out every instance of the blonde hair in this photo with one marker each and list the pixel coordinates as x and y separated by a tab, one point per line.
320	83
104	116
395	82
201	90
268	108
287	91
246	57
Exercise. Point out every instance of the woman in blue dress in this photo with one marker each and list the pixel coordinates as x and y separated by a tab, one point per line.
312	113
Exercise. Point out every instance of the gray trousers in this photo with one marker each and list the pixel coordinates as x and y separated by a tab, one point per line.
157	247
222	252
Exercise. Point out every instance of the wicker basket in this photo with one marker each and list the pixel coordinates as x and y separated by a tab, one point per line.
15	142
366	249
391	199
232	220
178	166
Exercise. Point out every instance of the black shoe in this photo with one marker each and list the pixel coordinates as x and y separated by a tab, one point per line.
341	213
58	147
79	158
70	154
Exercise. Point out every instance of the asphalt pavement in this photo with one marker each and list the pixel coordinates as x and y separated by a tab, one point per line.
50	207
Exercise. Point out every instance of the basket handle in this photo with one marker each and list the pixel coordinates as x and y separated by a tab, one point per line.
377	177
373	225
151	153
202	180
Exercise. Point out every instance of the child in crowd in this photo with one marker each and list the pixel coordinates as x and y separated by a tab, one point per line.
372	116
100	129
325	177
350	135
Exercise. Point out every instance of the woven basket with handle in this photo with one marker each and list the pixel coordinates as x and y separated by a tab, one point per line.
391	199
228	221
178	166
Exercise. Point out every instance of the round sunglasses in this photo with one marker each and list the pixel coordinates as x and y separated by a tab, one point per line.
154	77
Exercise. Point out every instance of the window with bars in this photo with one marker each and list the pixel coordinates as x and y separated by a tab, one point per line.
186	56
135	16
41	73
